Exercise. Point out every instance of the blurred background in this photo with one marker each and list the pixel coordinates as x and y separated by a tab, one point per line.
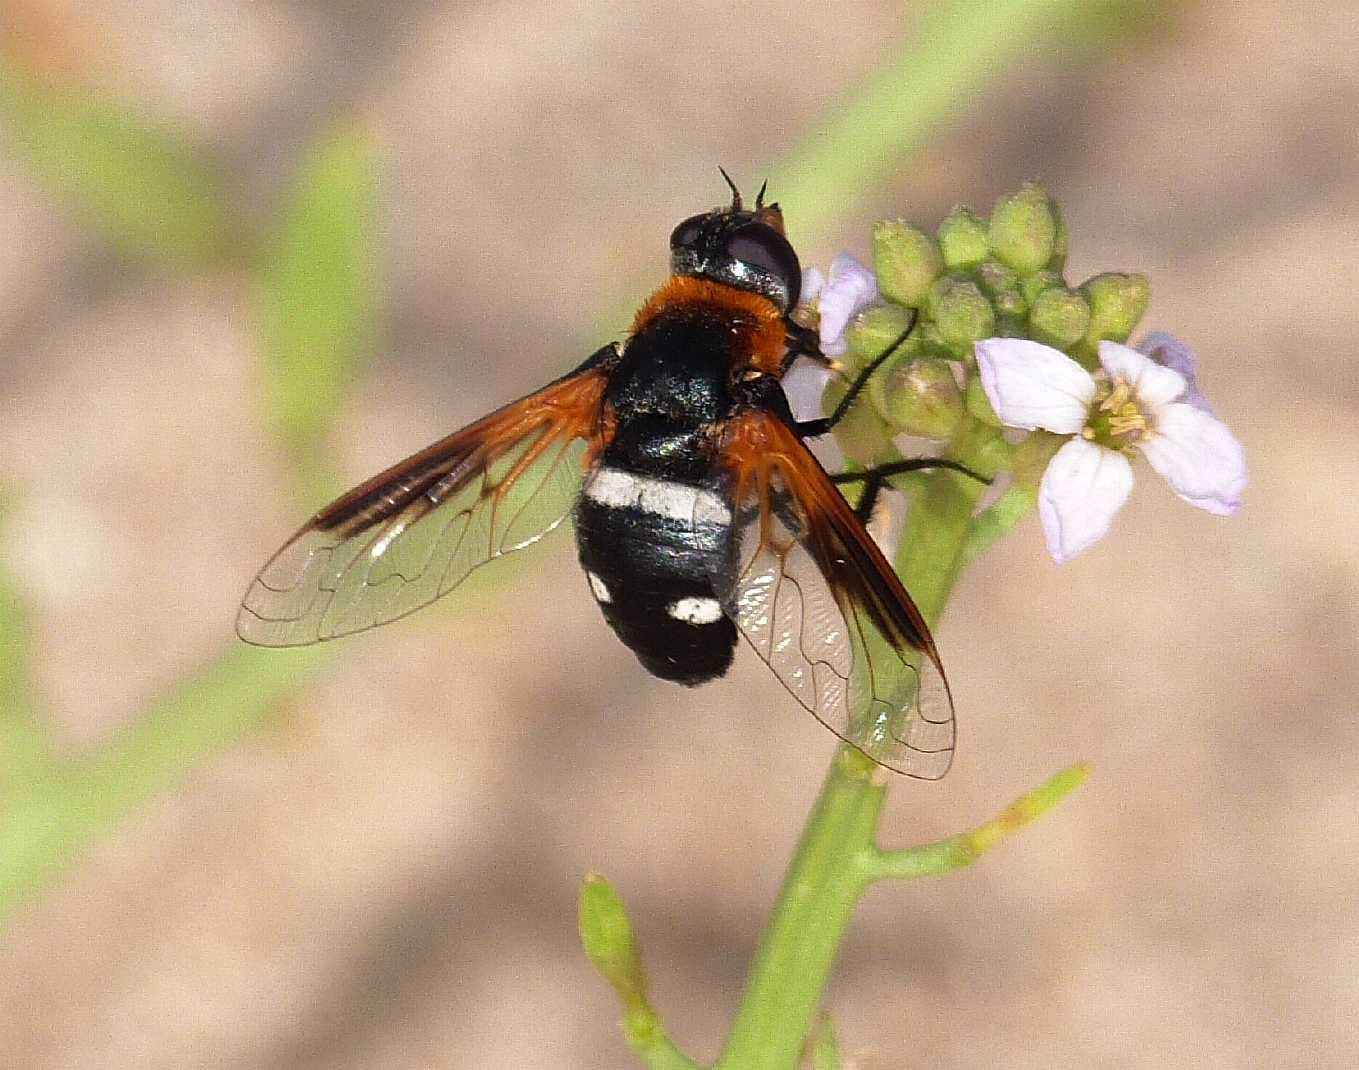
369	855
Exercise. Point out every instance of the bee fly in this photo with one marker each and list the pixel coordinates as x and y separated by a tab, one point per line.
699	511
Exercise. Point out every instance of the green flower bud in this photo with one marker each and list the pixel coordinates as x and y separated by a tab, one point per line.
918	396
1117	302
606	934
875	330
1010	313
962	314
932	343
1033	285
962	239
1024	229
996	278
906	261
1060	240
1059	317
978	404
862	435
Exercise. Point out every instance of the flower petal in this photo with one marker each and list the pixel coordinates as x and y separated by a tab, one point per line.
1082	489
1031	385
1154	385
812	282
1199	457
850	289
1169	352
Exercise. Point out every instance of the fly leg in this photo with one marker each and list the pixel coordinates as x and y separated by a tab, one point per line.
873	478
813	428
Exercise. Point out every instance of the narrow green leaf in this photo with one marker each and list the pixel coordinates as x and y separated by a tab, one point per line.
317	294
131	177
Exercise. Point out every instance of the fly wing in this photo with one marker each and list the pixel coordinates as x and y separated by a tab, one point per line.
813	594
414	532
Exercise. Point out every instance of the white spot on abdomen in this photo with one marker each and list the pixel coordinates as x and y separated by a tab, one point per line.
599	587
696	610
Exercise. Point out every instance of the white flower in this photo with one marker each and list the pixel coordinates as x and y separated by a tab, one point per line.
1136	402
850	289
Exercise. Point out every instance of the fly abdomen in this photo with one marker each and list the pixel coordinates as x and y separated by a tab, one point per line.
649	547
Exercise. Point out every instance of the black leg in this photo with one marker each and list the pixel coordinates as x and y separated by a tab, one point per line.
812	428
802	342
873	478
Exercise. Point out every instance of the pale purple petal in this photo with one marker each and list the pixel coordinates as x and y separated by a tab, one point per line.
1082	490
1170	352
1031	385
1154	385
850	289
803	386
812	282
1199	457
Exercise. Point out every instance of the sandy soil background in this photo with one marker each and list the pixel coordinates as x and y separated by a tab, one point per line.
385	876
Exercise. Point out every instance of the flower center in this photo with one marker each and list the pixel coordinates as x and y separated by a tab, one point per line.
1116	419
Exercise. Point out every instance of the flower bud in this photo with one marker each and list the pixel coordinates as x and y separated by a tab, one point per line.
874	331
918	396
962	314
1117	302
996	278
978	404
1059	317
1060	240
962	239
606	934
1033	285
1023	229
906	261
862	435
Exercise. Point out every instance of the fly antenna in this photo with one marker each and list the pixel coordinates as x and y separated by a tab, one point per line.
735	193
759	197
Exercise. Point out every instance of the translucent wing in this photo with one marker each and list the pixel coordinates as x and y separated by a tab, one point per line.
417	530
813	594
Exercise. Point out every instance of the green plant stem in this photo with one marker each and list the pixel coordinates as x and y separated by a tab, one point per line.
836	858
829	871
962	850
819	894
647	1038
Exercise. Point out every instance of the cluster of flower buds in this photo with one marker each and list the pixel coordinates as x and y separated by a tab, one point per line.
1001	340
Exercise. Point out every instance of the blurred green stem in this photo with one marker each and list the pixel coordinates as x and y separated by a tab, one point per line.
959	46
48	817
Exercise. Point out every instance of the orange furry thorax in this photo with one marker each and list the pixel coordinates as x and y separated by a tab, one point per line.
767	339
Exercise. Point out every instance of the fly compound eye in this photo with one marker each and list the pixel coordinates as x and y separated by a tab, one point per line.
687	233
764	249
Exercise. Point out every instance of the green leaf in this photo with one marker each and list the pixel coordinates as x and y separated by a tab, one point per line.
133	178
317	295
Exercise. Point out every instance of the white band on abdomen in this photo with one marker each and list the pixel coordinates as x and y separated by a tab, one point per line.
663	497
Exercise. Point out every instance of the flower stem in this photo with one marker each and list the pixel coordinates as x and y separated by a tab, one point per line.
836	857
817	900
965	848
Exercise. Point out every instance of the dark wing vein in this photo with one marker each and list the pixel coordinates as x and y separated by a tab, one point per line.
819	603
